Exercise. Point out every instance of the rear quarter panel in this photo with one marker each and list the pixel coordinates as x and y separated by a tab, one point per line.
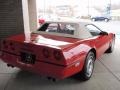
77	53
79	50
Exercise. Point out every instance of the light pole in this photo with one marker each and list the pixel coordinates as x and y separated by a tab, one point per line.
44	7
109	8
88	8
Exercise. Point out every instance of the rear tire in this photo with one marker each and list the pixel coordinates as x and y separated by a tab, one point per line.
88	67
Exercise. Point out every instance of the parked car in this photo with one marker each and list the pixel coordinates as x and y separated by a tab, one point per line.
58	49
101	18
46	17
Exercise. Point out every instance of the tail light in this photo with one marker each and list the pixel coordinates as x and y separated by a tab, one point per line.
11	44
8	45
0	53
4	42
12	47
46	53
57	55
5	46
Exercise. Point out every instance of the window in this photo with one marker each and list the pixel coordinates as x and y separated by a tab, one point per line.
64	28
93	29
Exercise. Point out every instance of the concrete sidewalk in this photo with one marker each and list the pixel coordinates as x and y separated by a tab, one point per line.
106	77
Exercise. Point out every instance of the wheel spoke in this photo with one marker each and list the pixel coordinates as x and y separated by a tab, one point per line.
90	66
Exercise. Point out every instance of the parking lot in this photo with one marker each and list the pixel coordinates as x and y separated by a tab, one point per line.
111	26
106	74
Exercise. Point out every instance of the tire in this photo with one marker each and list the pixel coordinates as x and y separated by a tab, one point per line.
88	67
93	19
106	20
111	46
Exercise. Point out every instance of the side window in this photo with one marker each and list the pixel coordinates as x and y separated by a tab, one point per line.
93	29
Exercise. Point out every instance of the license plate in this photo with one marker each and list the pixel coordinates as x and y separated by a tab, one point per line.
28	58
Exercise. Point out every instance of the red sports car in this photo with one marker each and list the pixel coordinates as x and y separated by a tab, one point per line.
58	49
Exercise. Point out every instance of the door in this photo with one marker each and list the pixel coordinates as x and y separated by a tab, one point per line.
101	42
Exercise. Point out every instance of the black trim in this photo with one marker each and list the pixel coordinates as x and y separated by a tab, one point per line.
45	61
37	60
52	63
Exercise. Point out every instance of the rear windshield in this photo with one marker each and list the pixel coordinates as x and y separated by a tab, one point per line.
63	28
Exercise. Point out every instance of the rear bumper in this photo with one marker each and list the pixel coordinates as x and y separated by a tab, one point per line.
43	68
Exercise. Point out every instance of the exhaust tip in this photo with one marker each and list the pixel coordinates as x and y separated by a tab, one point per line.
10	65
52	79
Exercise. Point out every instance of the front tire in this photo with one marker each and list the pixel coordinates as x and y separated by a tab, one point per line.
88	66
111	47
93	19
106	20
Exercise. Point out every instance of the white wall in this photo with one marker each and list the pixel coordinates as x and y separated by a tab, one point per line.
29	17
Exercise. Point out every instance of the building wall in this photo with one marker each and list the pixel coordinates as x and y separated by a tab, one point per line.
32	14
11	18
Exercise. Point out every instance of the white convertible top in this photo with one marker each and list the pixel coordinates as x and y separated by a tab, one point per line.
80	32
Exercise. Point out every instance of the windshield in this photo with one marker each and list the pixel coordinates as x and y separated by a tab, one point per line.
63	28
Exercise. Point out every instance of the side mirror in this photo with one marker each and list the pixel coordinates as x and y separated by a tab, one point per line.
103	33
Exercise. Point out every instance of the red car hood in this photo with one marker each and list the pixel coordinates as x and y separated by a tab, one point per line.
45	39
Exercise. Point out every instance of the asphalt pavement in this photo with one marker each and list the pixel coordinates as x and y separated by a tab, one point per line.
111	26
106	74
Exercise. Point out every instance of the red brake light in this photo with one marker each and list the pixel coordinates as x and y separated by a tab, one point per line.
57	55
5	46
46	53
12	46
4	42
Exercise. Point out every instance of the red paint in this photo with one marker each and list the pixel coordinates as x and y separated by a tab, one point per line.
70	53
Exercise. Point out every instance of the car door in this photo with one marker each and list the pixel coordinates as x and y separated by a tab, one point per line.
101	42
102	18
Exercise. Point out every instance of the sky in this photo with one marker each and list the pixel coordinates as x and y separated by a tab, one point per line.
81	4
42	3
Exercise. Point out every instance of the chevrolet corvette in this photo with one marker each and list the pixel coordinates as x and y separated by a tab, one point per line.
58	49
